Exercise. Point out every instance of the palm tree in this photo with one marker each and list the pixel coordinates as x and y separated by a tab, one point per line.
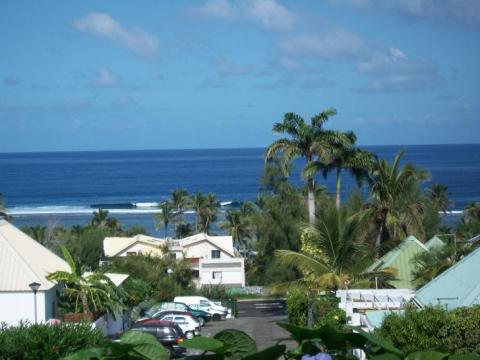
38	232
180	200
165	217
338	156
438	193
209	212
89	293
99	218
394	198
302	141
238	225
471	212
331	252
198	202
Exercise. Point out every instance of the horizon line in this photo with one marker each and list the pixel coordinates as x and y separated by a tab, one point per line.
210	148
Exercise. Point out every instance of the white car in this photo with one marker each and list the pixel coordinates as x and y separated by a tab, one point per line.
199	302
188	324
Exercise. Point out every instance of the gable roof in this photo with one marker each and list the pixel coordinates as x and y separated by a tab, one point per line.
434	242
224	243
112	246
23	261
400	258
457	286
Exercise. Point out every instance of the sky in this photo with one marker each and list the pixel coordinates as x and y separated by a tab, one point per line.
118	75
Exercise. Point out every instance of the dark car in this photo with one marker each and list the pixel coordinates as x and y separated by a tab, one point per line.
169	334
201	315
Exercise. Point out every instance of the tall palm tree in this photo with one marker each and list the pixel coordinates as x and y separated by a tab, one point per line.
165	217
471	212
331	255
394	198
301	142
89	293
209	212
438	193
99	218
338	156
180	201
198	202
238	226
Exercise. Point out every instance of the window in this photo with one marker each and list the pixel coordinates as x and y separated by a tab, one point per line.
195	274
180	320
131	253
217	275
215	254
168	318
172	255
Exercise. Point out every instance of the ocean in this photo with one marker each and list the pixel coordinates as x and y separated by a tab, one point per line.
65	187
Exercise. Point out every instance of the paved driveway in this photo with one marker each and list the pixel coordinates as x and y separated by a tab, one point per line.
258	319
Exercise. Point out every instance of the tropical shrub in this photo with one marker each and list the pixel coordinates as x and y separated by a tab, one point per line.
43	341
297	307
456	331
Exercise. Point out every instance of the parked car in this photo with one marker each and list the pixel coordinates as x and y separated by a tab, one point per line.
201	315
168	333
189	325
217	311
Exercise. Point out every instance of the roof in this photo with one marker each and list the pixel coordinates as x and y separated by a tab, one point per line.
434	243
224	243
457	286
24	260
375	318
400	258
112	246
116	278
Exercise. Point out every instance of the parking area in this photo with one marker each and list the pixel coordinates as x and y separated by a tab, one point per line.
259	320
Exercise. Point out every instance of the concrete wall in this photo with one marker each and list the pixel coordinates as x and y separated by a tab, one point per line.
17	306
231	271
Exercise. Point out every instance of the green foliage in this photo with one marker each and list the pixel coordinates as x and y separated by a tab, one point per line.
152	271
214	291
133	345
457	331
297	306
46	341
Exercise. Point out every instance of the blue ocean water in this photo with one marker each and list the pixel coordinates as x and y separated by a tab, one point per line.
65	185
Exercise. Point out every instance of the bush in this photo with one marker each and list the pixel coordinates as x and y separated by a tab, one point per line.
214	292
457	331
46	341
297	307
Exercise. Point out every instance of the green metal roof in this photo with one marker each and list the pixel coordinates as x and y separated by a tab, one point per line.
400	258
434	242
457	286
375	318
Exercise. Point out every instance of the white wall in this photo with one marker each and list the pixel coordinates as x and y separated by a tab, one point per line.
140	247
203	250
17	306
232	271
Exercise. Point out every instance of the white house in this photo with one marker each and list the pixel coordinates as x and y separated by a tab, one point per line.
24	261
213	258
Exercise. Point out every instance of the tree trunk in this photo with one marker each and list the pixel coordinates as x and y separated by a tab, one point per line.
339	186
378	241
310	315
83	296
166	230
311	202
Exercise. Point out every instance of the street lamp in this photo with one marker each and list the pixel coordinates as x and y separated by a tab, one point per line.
35	286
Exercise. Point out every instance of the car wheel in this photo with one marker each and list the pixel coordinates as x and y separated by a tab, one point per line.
216	317
170	352
201	321
189	335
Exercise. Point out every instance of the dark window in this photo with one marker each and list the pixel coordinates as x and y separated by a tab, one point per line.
131	253
215	254
195	274
217	275
172	255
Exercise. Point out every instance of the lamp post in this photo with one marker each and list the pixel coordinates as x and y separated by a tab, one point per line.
35	286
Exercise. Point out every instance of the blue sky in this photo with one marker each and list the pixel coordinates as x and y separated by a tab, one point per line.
90	75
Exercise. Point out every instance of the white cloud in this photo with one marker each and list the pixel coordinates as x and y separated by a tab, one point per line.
104	78
228	68
459	10
269	14
137	41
